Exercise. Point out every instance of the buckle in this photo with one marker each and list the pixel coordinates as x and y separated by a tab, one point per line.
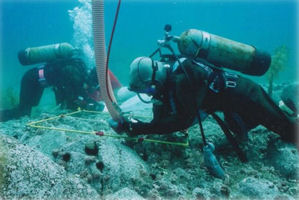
230	80
230	84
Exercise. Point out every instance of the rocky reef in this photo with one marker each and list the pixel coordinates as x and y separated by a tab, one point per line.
39	163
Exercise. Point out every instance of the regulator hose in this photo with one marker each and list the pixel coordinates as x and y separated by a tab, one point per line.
101	59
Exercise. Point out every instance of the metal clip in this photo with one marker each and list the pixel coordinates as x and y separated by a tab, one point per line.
230	84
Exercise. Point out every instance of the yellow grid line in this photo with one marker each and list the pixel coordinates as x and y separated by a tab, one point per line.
136	139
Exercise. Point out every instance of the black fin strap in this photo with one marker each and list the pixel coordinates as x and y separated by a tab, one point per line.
230	138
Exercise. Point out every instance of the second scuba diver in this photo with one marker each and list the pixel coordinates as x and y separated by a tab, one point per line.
73	84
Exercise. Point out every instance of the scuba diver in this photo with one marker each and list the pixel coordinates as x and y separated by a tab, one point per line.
179	96
196	82
73	84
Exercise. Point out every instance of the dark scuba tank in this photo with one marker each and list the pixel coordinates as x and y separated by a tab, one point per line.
223	52
46	53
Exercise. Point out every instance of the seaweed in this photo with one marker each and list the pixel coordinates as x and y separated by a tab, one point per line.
9	98
278	63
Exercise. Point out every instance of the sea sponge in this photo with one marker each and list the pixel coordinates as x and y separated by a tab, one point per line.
278	63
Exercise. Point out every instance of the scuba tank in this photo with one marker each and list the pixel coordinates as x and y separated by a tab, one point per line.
45	53
223	52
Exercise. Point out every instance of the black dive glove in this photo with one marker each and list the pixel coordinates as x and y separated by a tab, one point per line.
126	125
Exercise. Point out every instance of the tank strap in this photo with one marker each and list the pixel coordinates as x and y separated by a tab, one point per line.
41	76
218	79
208	69
176	65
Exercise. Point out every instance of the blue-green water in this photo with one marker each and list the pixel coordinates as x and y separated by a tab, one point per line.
264	24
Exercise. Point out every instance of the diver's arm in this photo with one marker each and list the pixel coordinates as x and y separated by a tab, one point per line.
164	126
167	123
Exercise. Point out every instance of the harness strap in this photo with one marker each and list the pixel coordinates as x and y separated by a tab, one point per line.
177	64
218	79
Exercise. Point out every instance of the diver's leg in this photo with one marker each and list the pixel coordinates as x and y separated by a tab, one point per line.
255	107
31	91
272	117
30	94
290	100
237	125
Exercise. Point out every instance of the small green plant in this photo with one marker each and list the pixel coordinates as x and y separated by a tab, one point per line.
9	98
278	63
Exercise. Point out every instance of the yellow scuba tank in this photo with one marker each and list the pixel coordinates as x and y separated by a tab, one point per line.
223	52
45	53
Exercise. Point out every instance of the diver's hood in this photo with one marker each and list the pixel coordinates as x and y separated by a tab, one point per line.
142	72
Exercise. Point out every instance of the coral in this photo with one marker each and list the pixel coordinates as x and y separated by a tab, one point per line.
9	98
278	63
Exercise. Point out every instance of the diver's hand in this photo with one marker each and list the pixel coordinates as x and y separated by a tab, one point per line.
118	127
125	125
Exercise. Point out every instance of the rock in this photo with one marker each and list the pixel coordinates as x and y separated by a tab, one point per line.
168	189
66	156
200	193
124	194
123	165
55	153
89	159
114	164
91	148
284	158
47	142
225	191
257	188
118	172
29	174
181	174
284	197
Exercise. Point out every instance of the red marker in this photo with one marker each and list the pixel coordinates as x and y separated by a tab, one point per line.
100	133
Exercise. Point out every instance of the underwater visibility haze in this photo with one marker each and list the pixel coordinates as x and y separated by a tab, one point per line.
264	24
73	161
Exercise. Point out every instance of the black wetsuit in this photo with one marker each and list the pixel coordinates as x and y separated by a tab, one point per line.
67	77
201	87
